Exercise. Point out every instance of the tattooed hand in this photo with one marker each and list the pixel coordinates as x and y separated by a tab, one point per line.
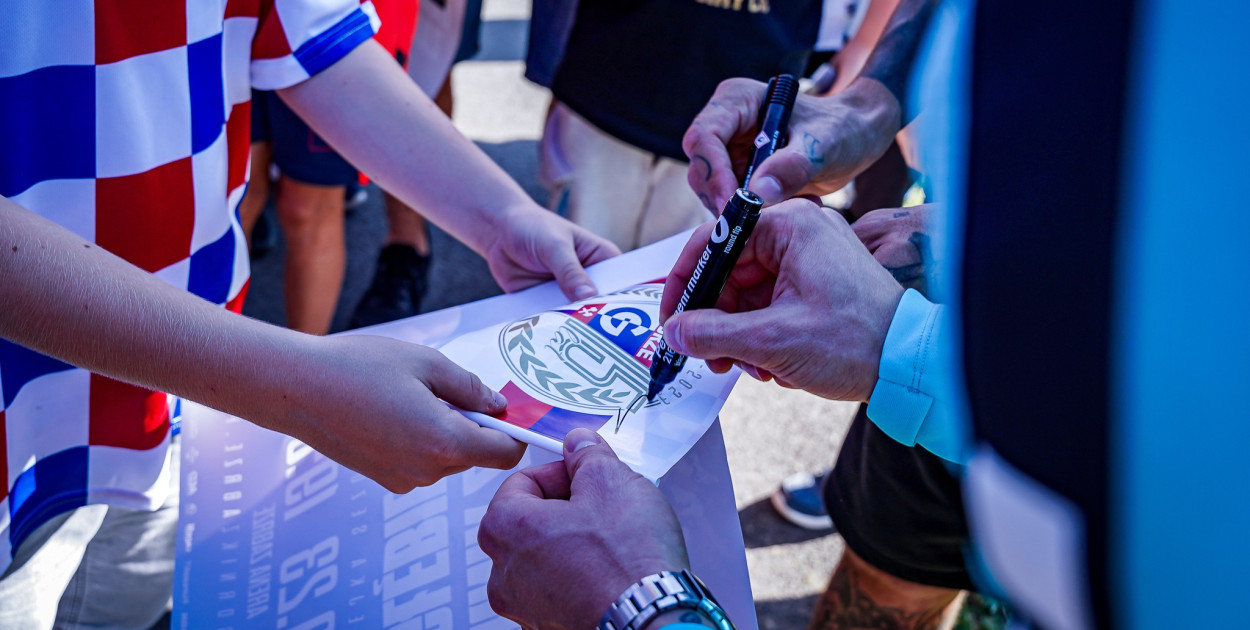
899	239
805	305
832	139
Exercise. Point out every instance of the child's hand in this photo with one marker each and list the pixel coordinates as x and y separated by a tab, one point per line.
371	404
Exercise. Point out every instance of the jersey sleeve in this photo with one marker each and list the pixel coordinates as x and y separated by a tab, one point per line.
296	39
912	399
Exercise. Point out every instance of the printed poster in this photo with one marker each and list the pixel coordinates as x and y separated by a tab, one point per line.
274	535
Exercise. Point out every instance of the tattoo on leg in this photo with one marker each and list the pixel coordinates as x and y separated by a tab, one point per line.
844	606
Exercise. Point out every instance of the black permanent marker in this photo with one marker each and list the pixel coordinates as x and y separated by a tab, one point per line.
730	235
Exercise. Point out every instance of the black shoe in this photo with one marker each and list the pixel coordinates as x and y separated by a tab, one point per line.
398	285
264	234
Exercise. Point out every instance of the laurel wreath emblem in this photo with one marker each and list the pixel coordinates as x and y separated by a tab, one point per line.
519	337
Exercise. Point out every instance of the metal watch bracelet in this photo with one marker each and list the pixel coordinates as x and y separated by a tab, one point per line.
662	592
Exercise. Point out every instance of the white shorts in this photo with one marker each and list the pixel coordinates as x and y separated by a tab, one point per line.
627	195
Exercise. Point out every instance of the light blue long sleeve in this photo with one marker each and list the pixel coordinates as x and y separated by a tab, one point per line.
910	402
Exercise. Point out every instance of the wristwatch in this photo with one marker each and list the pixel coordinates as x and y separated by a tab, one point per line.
661	593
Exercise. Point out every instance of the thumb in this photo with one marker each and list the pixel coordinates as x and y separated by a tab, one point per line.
782	175
461	387
586	453
573	280
714	334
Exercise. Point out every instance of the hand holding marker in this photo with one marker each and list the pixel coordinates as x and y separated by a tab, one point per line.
730	235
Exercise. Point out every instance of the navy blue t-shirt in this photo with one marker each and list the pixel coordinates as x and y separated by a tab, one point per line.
642	69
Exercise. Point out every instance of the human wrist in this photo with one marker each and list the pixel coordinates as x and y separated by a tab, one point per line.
877	109
681	620
495	221
880	317
665	599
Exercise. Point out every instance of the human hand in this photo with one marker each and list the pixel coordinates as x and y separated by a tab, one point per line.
531	245
567	538
832	138
369	403
806	305
899	239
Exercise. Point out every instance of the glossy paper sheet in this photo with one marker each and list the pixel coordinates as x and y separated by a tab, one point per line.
274	535
581	365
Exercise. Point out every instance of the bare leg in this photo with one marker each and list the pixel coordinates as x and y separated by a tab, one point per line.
253	202
316	255
862	596
407	226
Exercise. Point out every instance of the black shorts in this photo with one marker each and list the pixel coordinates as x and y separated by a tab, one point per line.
899	508
299	152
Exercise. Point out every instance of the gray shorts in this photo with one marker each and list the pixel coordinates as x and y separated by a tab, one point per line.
96	566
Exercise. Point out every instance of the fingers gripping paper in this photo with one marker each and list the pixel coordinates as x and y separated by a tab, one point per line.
274	535
580	365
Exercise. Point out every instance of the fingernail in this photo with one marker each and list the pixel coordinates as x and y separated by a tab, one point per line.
671	327
585	291
498	399
768	188
578	439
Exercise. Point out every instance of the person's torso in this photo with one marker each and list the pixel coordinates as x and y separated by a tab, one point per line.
642	69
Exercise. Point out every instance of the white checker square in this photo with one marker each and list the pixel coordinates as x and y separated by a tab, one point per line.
275	74
208	170
236	49
129	478
242	262
204	18
50	414
177	274
68	202
143	113
40	33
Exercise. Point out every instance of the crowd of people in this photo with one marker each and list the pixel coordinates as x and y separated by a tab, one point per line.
1048	354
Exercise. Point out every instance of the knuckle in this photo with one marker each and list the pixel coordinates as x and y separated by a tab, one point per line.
496	591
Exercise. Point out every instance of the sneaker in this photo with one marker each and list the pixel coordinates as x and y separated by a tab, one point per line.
800	501
398	286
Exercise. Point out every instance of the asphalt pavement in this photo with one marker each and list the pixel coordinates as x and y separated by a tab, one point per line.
770	432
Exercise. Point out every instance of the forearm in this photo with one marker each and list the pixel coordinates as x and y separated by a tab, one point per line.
70	299
372	113
894	55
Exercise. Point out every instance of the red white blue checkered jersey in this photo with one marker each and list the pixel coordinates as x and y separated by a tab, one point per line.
129	125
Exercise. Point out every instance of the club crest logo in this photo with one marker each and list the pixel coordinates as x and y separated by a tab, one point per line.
594	355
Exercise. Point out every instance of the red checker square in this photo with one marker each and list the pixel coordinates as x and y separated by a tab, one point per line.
126	416
270	42
147	218
236	305
238	144
124	29
243	8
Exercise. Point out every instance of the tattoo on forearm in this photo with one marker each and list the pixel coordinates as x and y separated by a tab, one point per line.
844	606
892	58
899	215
